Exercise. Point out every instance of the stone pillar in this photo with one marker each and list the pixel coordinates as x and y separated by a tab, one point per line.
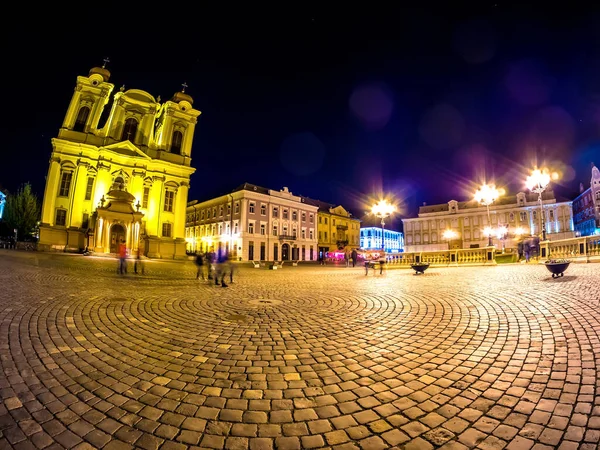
99	235
155	204
103	183
50	192
180	213
78	194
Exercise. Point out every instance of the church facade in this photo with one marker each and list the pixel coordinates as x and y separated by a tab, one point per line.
119	171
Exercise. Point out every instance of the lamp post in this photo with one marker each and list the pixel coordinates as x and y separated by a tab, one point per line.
383	209
537	182
449	235
486	195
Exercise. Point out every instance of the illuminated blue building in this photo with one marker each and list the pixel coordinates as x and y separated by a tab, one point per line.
370	239
2	203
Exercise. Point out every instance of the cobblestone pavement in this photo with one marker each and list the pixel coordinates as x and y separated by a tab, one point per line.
304	357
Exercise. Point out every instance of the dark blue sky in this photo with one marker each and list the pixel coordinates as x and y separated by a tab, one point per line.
417	103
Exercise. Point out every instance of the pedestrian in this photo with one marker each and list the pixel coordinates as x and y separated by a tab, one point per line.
210	261
138	261
122	258
354	256
230	266
221	266
381	262
199	265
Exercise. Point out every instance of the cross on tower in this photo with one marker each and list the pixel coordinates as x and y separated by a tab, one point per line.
106	61
184	86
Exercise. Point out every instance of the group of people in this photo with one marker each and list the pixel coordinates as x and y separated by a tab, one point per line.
215	265
138	266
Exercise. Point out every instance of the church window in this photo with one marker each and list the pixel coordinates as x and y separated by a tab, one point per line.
65	184
88	188
61	217
176	142
166	229
169	197
145	197
129	130
82	117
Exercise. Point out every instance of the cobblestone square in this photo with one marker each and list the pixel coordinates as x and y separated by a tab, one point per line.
303	357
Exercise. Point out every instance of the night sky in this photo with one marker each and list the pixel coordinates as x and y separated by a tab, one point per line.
420	104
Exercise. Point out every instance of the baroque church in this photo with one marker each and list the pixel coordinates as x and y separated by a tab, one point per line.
121	176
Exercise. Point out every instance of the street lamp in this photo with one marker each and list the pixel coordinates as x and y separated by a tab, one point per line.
449	235
537	182
383	209
486	195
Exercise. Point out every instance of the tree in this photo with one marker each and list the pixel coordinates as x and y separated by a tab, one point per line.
22	211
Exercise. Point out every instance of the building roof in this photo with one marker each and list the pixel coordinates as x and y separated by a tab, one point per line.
323	206
251	187
505	200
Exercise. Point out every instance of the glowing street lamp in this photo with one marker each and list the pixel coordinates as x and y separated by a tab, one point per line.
449	235
383	209
537	182
486	195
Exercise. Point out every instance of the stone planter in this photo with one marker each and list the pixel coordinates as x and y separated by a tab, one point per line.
420	267
557	268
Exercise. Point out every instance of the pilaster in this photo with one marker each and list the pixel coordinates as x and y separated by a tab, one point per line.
180	204
154	206
51	191
80	180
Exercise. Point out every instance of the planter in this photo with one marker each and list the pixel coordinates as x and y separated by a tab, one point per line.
557	268
420	267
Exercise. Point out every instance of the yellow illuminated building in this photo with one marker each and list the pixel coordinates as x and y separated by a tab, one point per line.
119	172
337	230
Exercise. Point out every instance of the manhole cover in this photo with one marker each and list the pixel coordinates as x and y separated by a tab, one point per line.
236	318
264	302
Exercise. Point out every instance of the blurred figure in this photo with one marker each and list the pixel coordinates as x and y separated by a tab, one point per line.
210	261
381	262
138	261
200	265
122	258
354	256
221	266
230	266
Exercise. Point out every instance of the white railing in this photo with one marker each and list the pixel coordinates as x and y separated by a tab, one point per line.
457	257
585	248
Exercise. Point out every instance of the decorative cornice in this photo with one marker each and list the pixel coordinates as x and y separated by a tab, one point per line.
103	166
138	173
158	178
55	159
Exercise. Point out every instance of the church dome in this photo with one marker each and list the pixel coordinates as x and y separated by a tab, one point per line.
103	72
182	97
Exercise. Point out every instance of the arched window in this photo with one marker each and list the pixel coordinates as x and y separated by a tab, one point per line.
176	142
82	118
129	130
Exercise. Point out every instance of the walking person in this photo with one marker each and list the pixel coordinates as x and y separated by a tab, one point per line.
354	256
122	258
200	265
210	261
221	266
138	261
230	266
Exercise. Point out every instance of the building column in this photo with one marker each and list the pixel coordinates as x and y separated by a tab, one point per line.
98	235
155	200
76	213
180	213
51	191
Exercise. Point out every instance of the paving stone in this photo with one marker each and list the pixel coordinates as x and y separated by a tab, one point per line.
160	365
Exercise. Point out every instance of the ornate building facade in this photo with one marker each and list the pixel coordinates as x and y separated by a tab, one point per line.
119	172
517	216
371	239
254	224
586	207
336	228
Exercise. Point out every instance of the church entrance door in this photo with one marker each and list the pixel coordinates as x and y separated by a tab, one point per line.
117	234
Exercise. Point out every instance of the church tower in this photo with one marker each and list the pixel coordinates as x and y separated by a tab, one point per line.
125	179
